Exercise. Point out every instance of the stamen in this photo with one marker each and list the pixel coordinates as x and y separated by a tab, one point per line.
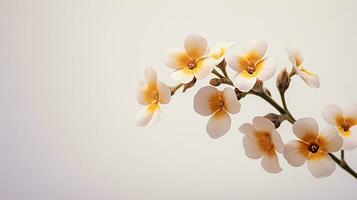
250	69
192	65
313	148
220	103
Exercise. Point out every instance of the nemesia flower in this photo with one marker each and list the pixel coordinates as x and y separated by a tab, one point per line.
345	121
296	59
191	62
151	93
313	147
210	101
250	65
218	51
262	140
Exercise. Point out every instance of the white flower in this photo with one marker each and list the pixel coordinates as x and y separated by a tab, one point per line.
345	121
191	62
210	101
313	147
250	65
296	59
151	94
262	140
218	51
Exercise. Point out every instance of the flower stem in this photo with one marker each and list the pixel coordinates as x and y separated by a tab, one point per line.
343	164
175	88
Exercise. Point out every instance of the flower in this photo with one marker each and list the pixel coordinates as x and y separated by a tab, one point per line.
313	147
151	94
250	65
345	121
210	101
218	51
296	59
262	140
191	62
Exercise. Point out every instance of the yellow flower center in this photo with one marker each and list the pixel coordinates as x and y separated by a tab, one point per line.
192	64
251	69
264	141
344	125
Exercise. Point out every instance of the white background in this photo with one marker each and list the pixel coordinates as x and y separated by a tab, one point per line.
68	74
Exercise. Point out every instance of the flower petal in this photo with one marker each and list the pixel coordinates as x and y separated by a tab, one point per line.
277	141
350	111
270	163
218	124
296	153
350	141
262	124
202	100
247	128
150	75
164	93
329	139
218	51
266	69
204	68
145	115
309	78
294	56
330	113
196	46
140	93
183	75
306	129
231	103
244	83
254	50
321	165
251	147
176	58
236	61
155	117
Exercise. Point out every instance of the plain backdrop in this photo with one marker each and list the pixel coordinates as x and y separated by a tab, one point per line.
68	76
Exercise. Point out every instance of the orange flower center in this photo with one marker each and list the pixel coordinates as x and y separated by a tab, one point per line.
192	64
313	148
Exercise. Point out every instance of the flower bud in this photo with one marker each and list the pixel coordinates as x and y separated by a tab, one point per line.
215	81
283	81
276	119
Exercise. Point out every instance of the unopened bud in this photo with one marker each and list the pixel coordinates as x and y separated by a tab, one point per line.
283	81
215	81
276	119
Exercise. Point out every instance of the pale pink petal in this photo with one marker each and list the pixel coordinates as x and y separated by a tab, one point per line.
350	111
330	114
145	115
350	141
267	69
277	141
262	124
176	58
247	128
183	75
251	147
218	124
140	93
195	46
270	163
164	93
322	167
244	83
331	140
155	117
201	100
256	46
231	103
150	75
310	79
235	60
204	67
306	129
296	153
294	57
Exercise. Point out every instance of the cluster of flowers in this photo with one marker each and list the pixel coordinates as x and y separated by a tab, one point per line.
261	139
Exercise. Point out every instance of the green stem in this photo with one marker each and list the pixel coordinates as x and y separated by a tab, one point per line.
282	96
